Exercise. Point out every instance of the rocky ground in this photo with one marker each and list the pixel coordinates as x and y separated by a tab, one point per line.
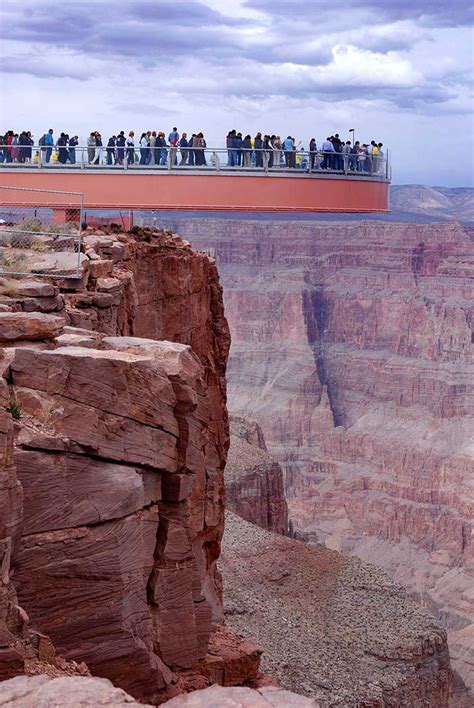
335	629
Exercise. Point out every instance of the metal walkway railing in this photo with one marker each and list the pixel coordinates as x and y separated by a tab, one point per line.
224	160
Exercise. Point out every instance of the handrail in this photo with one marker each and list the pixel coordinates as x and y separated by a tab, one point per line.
169	157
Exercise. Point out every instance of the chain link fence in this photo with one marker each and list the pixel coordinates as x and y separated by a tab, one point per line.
40	232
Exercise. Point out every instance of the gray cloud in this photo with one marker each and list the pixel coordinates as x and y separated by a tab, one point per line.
28	64
163	36
440	13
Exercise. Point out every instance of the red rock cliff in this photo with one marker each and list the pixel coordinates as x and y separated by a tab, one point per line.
120	450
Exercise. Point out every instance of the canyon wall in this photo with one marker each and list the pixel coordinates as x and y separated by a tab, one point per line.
352	348
253	479
119	443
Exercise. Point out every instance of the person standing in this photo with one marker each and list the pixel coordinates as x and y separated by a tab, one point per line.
228	144
29	142
288	147
120	144
152	148
91	148
111	144
346	151
161	142
354	157
337	144
313	151
191	153
173	139
15	148
143	148
267	152
131	148
183	144
247	151
98	148
63	153
73	143
364	158
258	147
380	158
374	154
199	145
277	149
48	141
328	153
238	142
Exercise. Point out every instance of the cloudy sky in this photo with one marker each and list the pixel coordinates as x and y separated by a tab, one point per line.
395	70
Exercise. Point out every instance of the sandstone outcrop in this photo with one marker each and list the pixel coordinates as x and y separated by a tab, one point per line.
120	444
267	697
352	348
45	692
254	481
335	629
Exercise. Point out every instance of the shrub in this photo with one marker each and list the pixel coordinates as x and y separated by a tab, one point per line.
15	410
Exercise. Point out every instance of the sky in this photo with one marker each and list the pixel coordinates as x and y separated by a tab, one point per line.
397	71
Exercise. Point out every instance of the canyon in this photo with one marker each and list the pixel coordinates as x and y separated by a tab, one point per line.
352	349
114	440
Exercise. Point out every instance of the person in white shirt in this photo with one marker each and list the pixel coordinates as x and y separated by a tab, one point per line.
328	150
152	147
91	147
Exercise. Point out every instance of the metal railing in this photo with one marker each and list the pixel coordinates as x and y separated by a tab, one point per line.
40	232
170	158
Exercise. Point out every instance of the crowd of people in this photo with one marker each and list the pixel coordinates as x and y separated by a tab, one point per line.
154	148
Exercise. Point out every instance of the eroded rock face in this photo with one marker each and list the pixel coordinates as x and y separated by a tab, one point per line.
11	661
352	348
254	481
101	430
120	449
335	629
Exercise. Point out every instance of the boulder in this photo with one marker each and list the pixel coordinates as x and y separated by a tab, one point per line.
29	326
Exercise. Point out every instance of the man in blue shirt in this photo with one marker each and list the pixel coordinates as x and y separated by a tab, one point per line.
48	141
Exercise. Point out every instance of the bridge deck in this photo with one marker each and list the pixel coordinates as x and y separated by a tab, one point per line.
203	189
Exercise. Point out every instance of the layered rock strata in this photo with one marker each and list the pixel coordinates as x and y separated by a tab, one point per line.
352	348
120	446
254	481
335	629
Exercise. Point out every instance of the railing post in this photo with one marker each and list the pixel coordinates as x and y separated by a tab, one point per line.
40	158
82	158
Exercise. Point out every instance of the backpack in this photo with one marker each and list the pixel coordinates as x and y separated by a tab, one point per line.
41	141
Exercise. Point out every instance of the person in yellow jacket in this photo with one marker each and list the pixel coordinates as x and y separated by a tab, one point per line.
374	154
